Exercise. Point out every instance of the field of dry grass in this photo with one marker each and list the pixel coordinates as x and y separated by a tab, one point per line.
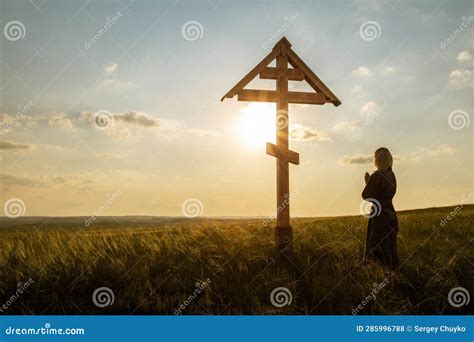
152	266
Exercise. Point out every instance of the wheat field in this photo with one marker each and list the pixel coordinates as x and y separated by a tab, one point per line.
153	265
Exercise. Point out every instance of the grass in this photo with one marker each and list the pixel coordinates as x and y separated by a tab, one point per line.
152	265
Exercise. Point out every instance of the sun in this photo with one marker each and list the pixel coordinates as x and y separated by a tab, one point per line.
256	124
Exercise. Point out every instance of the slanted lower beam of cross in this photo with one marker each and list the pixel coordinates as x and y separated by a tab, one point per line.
284	55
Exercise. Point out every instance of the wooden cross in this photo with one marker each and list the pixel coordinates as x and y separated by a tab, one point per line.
283	54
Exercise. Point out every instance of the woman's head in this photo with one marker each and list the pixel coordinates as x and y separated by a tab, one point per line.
383	159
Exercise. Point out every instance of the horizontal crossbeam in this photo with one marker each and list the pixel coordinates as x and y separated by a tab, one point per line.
270	73
273	96
286	155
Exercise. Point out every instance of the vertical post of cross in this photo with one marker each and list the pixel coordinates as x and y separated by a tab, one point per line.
283	231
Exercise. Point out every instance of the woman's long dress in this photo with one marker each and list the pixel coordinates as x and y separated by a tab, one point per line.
381	242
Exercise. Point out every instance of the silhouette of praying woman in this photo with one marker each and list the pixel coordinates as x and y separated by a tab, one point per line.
380	187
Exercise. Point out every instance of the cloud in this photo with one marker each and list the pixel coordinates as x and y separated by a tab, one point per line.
130	118
369	113
110	79
110	68
203	132
464	56
361	71
388	70
461	79
369	108
12	146
60	120
356	89
10	179
347	125
137	118
356	159
416	156
303	133
37	181
424	153
116	83
113	155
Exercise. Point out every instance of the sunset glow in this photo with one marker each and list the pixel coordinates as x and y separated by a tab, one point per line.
256	124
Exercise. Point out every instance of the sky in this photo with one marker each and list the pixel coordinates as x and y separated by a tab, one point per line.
113	107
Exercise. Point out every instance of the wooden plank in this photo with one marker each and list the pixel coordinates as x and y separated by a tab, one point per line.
251	75
257	95
270	73
287	155
306	98
311	78
273	96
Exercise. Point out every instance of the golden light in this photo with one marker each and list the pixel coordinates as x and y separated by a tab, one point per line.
256	124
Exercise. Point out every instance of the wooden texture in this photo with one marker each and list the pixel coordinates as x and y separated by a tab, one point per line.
288	155
270	73
274	96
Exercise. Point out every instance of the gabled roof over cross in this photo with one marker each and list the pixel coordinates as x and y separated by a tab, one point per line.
299	72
